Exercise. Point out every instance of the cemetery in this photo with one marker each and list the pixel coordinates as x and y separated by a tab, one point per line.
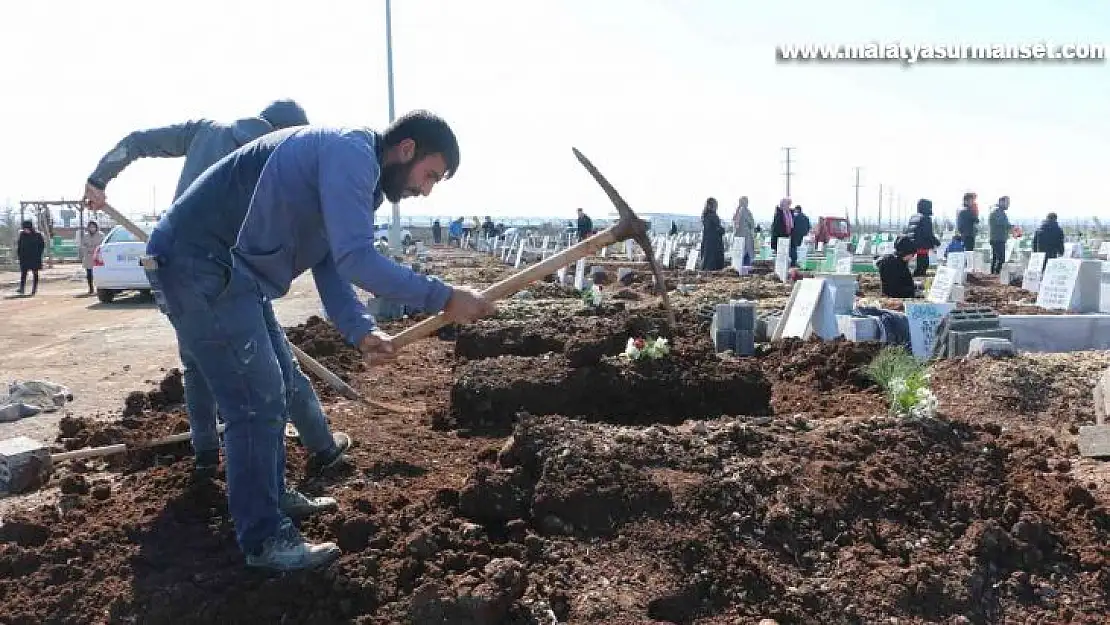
579	458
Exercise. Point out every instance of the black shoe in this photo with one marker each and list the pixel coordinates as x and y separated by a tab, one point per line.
206	465
323	460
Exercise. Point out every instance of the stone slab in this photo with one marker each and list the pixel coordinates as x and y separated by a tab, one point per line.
1058	333
1094	441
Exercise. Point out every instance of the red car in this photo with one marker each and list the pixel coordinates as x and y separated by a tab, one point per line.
832	228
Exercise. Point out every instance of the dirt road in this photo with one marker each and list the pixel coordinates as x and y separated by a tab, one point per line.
100	351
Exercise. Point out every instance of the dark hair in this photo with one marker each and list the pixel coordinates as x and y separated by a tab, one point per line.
904	246
431	134
27	223
1052	216
92	223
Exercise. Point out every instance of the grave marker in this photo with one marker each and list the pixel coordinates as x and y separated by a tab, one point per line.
782	259
738	255
809	310
940	291
580	274
1070	284
692	259
1031	281
519	255
924	319
1104	288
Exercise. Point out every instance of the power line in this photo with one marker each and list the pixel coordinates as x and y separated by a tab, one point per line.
789	172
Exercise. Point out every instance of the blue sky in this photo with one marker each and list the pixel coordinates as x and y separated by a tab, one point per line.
674	101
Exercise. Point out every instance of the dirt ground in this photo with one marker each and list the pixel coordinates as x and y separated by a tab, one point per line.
546	480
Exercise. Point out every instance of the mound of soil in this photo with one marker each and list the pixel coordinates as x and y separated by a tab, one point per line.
822	378
584	340
489	393
169	394
321	340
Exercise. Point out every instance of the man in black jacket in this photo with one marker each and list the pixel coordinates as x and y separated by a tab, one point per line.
920	230
1049	238
967	221
894	269
585	225
29	250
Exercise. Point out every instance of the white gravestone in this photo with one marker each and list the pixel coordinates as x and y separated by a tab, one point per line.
924	319
1031	281
738	255
1104	288
782	259
940	291
1070	284
580	274
810	308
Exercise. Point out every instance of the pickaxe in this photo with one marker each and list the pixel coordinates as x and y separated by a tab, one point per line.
308	362
628	226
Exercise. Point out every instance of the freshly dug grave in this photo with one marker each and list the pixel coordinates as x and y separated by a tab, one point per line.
822	378
583	339
489	393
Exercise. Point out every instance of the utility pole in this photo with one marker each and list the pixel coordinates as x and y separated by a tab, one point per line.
395	226
788	173
879	224
890	208
857	198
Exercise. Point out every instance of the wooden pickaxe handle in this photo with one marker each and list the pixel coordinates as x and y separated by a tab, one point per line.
514	283
108	450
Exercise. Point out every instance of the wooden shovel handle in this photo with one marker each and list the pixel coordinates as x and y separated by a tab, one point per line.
513	283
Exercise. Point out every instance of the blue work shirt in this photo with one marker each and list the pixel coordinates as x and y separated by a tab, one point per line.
296	200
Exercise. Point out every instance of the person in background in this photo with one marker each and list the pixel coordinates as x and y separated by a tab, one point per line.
782	225
437	232
488	229
798	234
743	223
955	246
967	221
894	269
1049	238
999	229
91	240
29	249
585	225
674	229
712	238
920	229
455	232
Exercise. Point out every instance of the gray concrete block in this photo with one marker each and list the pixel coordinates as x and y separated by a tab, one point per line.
1058	333
743	315
991	347
723	317
724	340
858	328
959	342
745	343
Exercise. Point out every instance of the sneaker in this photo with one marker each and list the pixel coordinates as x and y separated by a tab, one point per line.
299	505
287	550
206	464
323	460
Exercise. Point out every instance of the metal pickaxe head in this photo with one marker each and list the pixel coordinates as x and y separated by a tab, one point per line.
629	226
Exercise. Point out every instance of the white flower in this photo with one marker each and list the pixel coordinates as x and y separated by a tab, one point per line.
630	350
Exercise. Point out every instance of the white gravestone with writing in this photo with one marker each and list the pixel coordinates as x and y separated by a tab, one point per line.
1011	248
692	259
1031	281
1070	284
958	264
924	319
940	291
810	308
843	263
1104	250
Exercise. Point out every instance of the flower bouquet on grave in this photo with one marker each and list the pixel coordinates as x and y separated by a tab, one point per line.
639	349
591	296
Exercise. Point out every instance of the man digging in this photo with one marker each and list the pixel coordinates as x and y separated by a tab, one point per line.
291	201
203	142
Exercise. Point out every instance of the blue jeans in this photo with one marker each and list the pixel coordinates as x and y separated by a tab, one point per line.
304	408
228	330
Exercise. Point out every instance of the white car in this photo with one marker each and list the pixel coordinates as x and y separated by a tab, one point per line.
116	265
381	233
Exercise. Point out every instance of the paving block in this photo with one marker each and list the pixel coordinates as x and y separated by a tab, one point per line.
724	340
723	317
743	315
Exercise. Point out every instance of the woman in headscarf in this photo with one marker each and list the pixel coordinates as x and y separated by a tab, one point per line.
89	242
744	225
712	238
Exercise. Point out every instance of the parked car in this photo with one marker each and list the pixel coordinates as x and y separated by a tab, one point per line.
829	228
116	265
381	233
